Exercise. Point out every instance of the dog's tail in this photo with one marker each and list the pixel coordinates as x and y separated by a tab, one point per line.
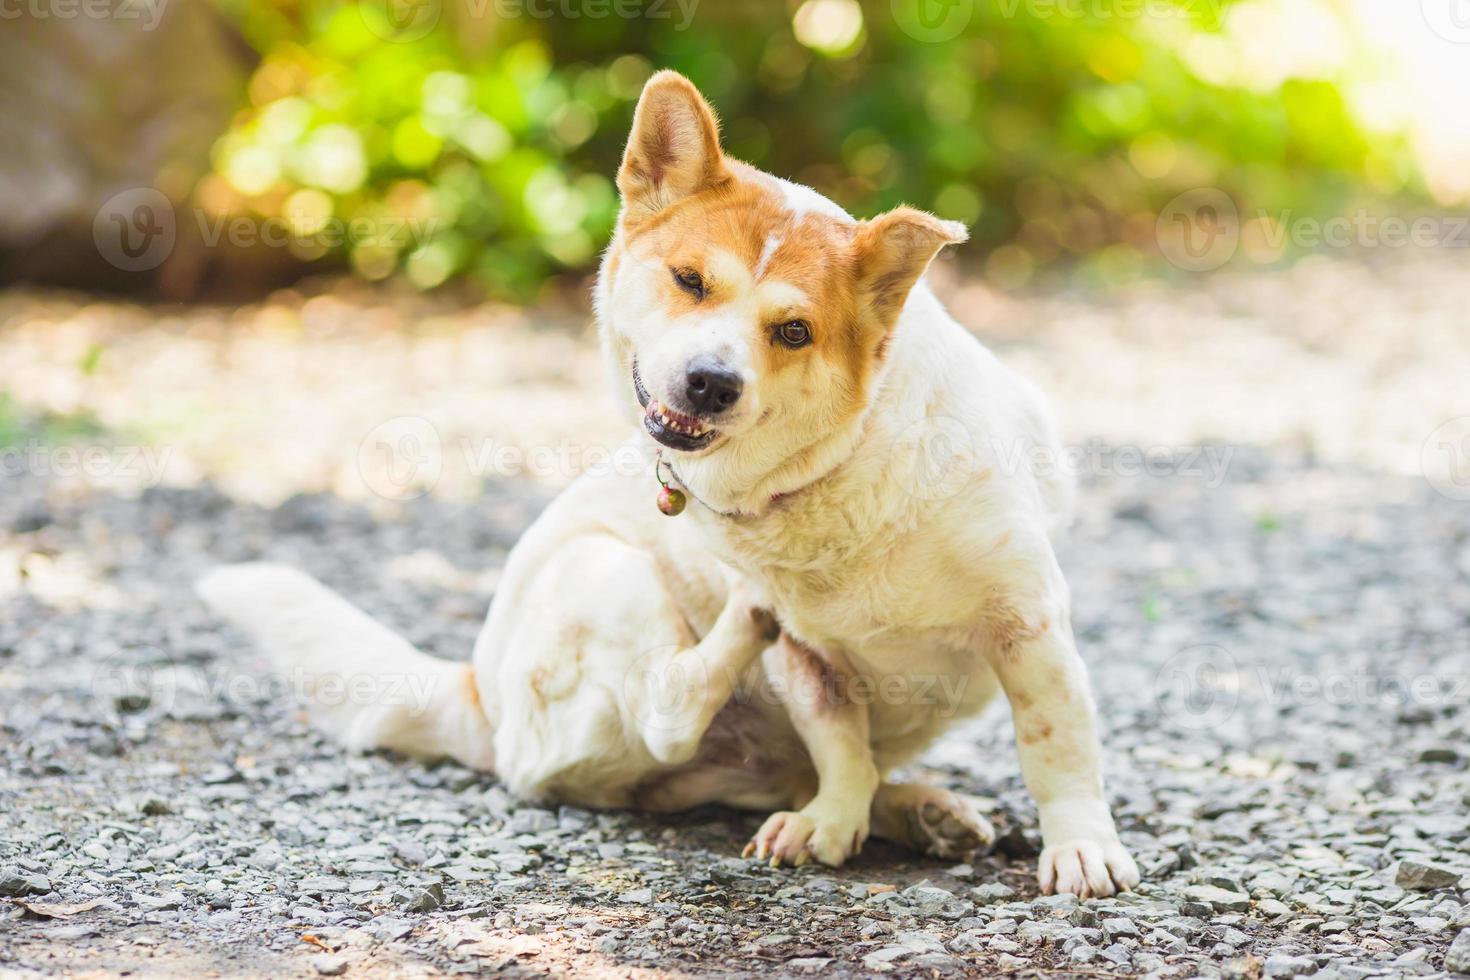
367	687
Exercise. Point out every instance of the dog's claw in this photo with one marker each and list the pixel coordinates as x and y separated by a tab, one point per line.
800	859
749	850
775	860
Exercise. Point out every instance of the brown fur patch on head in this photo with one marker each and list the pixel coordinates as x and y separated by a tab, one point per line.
741	236
674	148
894	250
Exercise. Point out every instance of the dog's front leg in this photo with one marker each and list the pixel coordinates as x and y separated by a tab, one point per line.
833	824
1056	736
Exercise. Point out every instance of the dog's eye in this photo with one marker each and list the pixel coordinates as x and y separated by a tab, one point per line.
794	333
689	281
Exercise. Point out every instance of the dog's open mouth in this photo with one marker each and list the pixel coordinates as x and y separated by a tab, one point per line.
668	427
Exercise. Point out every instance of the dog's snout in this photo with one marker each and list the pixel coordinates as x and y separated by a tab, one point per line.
711	387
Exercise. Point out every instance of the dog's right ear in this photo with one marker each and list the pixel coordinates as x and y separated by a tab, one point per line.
674	148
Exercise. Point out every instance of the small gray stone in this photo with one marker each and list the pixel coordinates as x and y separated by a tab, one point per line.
1279	965
992	892
328	965
321	884
1457	960
16	883
532	820
426	899
1218	899
1423	877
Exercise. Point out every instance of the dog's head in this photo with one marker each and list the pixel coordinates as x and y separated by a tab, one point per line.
747	315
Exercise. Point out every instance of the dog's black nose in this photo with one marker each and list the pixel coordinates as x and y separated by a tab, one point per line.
712	387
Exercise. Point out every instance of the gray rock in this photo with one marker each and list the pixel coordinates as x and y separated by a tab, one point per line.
18	883
1277	965
329	965
1218	898
1423	877
425	899
1457	959
992	892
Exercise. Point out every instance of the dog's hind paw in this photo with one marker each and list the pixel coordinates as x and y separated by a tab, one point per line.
955	832
934	821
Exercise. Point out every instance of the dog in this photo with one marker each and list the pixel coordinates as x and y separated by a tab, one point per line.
792	380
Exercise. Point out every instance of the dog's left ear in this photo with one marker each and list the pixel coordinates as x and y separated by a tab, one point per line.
893	251
674	148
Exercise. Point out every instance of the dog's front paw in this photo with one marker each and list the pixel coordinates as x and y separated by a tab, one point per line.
796	837
1087	868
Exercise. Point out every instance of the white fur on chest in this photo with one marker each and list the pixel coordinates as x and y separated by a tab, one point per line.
877	560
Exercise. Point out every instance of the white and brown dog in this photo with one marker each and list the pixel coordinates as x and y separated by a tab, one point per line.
793	377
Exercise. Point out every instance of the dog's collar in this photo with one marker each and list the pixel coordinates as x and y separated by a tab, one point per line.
659	461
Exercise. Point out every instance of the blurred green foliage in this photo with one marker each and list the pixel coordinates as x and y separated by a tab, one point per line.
481	137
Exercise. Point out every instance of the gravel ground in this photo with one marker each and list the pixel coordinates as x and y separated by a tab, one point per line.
1280	648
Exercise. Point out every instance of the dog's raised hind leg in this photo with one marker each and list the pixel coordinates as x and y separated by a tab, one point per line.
675	694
